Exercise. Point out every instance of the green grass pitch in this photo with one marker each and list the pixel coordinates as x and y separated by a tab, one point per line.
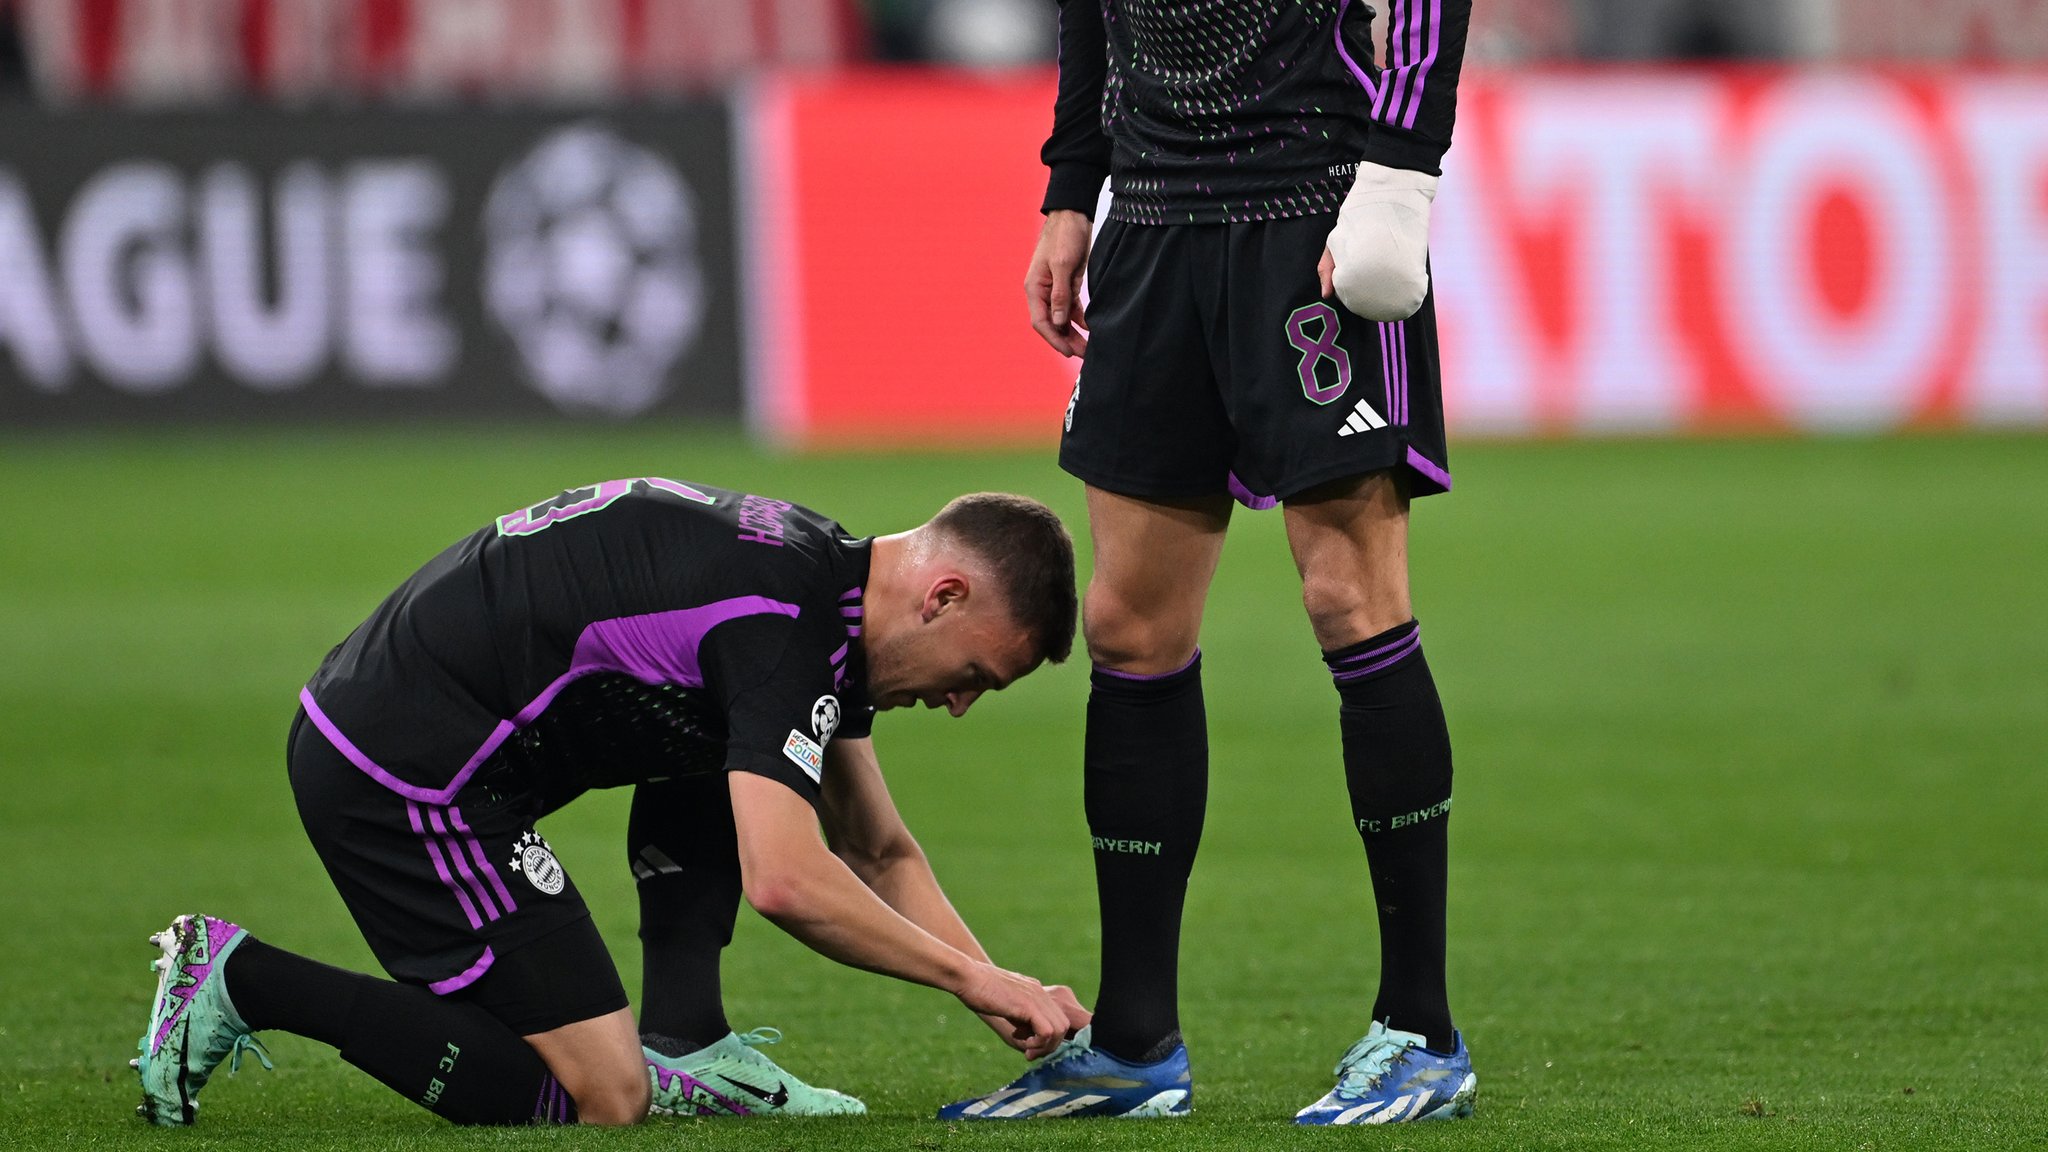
1748	851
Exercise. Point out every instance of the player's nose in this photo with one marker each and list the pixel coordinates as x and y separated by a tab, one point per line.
958	703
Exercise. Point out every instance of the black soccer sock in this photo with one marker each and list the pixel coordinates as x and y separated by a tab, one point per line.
1397	765
686	859
452	1058
1146	757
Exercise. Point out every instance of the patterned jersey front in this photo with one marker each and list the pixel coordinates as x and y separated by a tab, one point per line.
1211	111
618	633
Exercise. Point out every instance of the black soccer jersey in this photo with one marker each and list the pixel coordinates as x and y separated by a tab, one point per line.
623	632
1210	111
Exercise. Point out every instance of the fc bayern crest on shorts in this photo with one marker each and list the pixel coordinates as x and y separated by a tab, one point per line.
533	859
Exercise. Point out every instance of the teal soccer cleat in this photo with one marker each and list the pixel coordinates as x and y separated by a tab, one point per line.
193	1025
1080	1080
1389	1077
733	1078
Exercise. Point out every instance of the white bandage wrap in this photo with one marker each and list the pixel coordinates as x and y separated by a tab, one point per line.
1381	243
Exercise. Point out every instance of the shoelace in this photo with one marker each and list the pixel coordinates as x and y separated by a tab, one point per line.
247	1043
760	1036
1365	1064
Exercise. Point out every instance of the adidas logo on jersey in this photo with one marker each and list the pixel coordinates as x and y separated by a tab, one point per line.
1362	419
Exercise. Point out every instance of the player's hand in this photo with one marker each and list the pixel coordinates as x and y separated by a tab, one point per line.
1021	1010
1063	996
1378	254
1052	285
1326	270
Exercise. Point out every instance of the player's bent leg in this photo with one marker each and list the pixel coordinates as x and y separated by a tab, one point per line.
218	986
1350	544
732	1077
598	1062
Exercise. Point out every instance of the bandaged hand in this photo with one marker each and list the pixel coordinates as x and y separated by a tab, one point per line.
1380	246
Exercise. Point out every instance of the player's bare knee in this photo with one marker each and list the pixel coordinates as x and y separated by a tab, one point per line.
614	1100
1344	609
1120	636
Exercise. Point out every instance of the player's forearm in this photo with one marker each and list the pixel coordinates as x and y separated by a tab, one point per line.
828	908
907	884
1078	151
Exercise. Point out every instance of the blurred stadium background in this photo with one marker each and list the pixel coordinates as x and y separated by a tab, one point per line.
1739	605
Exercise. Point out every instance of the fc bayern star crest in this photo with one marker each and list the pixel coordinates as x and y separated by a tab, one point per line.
825	717
533	859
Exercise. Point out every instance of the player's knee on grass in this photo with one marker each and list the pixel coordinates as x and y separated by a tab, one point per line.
614	1098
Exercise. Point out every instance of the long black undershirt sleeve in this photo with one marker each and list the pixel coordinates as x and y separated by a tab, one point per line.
1416	103
1077	152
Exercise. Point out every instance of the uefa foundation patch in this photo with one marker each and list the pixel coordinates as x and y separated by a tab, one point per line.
807	754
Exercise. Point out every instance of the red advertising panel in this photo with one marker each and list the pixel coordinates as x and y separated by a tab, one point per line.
1635	251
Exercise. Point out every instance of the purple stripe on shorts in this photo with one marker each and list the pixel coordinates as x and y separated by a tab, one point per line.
1160	676
1403	650
1401	370
441	867
1420	463
1248	498
1387	370
466	977
476	886
476	852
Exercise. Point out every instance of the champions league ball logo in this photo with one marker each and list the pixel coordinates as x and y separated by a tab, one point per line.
591	268
825	717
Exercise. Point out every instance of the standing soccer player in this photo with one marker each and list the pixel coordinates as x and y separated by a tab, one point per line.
1260	163
721	652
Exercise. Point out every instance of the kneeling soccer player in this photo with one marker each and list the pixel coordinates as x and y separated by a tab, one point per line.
722	653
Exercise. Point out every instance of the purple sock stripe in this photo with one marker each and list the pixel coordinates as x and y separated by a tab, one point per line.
1422	464
476	853
1372	90
476	886
466	977
1160	676
1389	646
441	866
1407	648
1402	651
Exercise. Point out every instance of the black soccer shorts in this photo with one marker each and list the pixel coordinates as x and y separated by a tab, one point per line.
1214	364
464	898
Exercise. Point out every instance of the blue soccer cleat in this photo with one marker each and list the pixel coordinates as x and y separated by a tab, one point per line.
1391	1077
1079	1080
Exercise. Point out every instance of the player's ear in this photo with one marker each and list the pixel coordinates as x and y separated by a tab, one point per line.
946	592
